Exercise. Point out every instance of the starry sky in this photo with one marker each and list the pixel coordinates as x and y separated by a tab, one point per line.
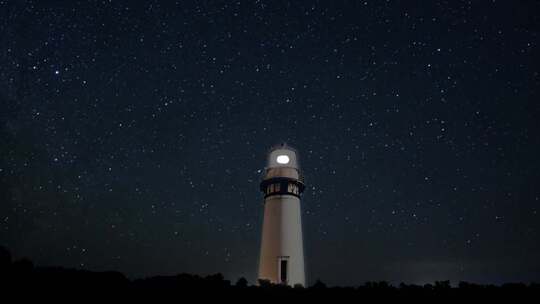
133	135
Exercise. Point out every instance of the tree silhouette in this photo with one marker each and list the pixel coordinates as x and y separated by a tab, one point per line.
22	273
442	285
319	285
5	258
242	283
265	283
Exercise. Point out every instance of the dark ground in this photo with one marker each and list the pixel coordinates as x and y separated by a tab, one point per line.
23	278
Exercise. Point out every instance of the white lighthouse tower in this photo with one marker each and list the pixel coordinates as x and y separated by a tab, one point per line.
282	252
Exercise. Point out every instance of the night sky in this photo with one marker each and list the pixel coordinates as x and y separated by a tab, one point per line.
133	136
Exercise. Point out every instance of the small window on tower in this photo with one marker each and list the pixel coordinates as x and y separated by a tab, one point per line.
277	187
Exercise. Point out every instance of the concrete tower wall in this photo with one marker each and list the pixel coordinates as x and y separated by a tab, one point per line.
282	239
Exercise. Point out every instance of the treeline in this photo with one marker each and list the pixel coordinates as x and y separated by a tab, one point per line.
22	274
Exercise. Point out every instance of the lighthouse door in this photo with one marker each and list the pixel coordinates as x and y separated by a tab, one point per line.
283	270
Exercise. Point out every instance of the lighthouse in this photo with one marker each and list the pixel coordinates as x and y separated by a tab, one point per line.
282	253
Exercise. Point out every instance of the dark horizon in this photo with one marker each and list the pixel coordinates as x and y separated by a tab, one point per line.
133	135
22	272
